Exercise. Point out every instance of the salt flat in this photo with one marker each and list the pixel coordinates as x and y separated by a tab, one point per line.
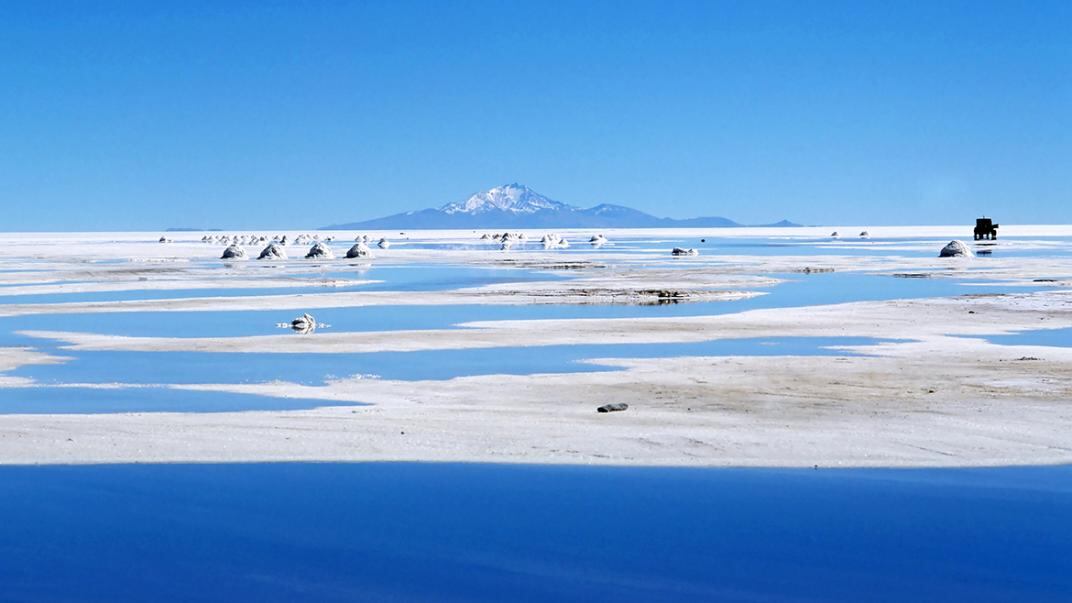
928	389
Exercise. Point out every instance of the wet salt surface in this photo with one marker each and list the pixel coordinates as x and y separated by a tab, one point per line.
395	278
440	277
178	367
479	532
821	246
797	290
314	369
82	400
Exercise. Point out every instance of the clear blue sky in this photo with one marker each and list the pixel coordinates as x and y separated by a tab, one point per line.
144	115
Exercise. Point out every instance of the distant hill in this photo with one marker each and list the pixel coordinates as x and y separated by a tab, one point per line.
518	206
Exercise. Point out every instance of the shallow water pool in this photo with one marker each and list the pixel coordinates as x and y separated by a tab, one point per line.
472	532
149	368
1047	337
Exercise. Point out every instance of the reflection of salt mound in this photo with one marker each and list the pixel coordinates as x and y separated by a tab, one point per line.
678	251
233	252
359	250
304	324
321	251
955	249
274	251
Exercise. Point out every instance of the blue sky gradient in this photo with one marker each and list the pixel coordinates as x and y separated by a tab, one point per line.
146	115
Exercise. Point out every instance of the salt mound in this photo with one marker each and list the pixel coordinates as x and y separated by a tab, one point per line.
956	249
274	251
550	240
359	250
682	251
233	252
384	243
320	250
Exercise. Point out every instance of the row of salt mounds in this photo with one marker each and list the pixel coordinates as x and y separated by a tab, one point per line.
253	239
359	250
863	235
515	236
302	239
956	249
320	251
276	251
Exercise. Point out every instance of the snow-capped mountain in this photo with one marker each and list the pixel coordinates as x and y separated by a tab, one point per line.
514	198
518	206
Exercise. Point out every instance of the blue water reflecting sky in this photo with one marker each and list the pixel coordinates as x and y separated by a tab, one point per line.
1049	337
417	532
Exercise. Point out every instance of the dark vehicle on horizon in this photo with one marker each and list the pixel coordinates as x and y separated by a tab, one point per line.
985	229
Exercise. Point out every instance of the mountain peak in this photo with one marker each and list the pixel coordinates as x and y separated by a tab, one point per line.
515	205
513	198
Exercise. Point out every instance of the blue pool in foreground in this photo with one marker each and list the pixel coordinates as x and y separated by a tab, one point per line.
456	532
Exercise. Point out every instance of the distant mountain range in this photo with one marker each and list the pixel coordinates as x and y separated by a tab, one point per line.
518	206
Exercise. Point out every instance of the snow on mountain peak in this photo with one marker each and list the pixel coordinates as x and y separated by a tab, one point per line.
514	198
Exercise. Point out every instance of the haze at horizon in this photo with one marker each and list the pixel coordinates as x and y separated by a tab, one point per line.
136	116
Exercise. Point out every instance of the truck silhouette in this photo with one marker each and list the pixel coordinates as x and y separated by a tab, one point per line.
985	229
